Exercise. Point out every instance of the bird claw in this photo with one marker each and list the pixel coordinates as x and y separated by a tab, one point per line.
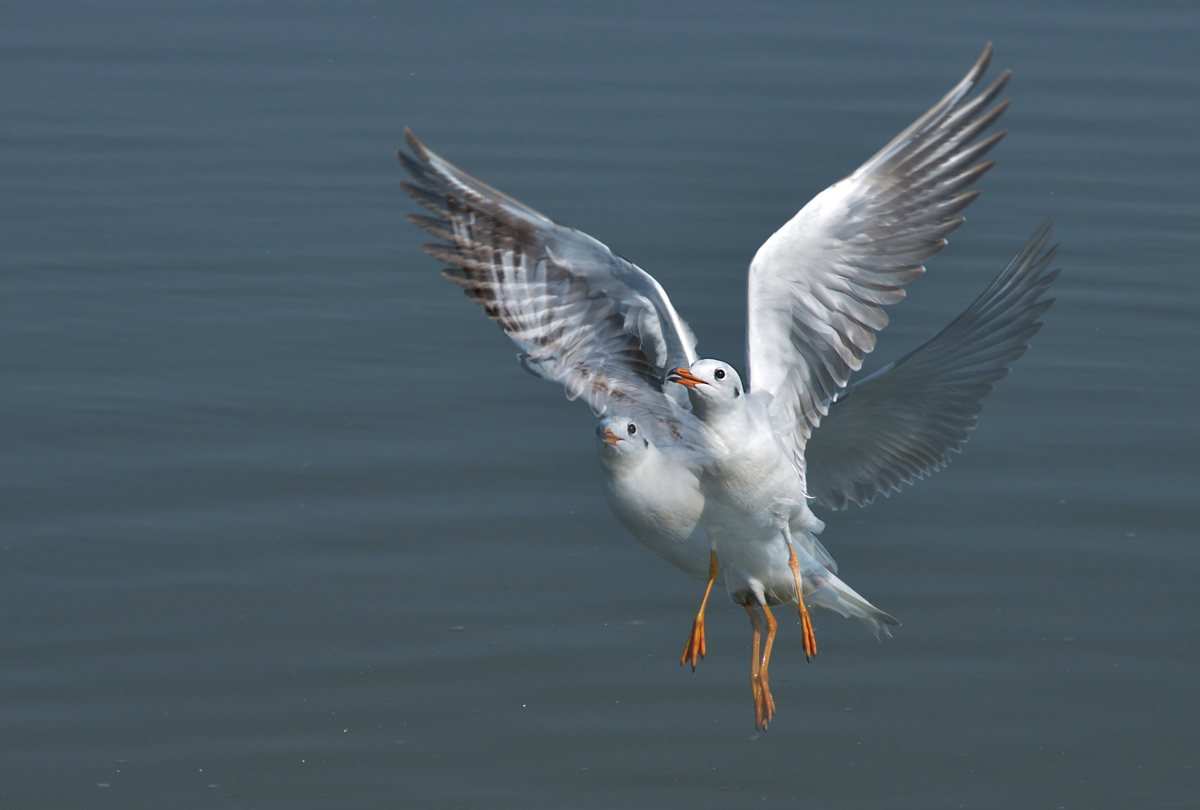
810	637
697	644
764	702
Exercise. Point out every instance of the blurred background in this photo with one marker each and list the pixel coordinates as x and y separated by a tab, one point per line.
282	524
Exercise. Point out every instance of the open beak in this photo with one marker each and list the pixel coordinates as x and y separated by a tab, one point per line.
608	437
684	377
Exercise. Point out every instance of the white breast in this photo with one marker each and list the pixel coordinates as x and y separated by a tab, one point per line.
659	501
754	479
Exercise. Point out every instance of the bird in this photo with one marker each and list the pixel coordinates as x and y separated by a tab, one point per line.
606	330
889	428
816	294
656	494
930	398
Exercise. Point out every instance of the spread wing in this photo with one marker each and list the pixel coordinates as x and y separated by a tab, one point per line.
818	285
583	317
904	421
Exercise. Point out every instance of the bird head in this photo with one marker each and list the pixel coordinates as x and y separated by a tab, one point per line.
621	440
711	384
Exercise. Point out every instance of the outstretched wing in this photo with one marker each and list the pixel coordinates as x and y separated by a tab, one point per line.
581	316
904	421
818	285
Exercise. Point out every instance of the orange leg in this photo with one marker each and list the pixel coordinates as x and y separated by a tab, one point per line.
697	644
755	665
810	638
763	676
760	687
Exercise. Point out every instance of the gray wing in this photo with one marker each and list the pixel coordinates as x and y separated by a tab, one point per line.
904	421
818	286
583	317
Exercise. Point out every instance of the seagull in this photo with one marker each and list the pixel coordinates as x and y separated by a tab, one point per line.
657	494
606	330
924	405
816	295
887	429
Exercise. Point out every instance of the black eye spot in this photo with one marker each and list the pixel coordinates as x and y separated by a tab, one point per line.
632	428
719	374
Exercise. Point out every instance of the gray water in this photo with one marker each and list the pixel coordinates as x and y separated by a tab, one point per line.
283	525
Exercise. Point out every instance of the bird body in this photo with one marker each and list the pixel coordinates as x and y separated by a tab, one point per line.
659	498
655	494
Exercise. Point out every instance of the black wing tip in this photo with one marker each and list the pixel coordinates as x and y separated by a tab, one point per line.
981	168
982	62
437	227
414	143
459	276
416	169
1045	226
1040	252
417	192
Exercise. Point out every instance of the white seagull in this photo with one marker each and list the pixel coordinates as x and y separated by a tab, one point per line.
658	495
887	429
606	330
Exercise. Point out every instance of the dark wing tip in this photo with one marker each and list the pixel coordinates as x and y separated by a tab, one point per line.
414	143
981	63
437	227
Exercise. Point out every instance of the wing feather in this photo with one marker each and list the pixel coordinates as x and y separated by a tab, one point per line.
581	316
905	421
818	286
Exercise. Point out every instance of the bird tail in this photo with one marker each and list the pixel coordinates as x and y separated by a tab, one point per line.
825	589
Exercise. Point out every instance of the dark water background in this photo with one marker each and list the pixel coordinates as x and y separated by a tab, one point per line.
283	525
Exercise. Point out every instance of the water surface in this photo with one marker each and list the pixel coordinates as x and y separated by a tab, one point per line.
282	524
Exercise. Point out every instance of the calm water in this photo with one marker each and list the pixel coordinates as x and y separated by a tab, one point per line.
284	526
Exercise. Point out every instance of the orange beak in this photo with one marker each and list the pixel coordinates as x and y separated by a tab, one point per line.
608	437
684	377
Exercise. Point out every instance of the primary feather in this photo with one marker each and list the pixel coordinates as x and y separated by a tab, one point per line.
904	421
818	286
583	317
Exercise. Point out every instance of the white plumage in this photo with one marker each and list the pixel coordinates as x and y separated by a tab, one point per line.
727	473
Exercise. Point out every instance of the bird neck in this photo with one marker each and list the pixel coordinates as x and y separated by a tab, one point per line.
714	410
619	464
726	418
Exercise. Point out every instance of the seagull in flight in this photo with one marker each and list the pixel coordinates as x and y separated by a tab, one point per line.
605	330
894	426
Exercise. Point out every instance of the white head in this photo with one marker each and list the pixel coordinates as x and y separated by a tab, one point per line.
622	441
711	384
